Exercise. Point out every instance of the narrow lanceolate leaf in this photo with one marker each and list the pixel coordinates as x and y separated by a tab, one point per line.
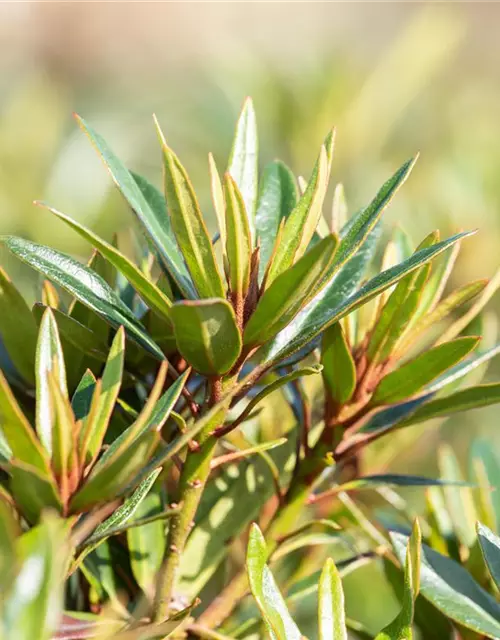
364	221
277	199
189	226
452	590
328	307
238	240
108	481
490	546
396	480
401	627
442	309
412	376
16	429
331	614
82	398
94	427
289	293
85	285
207	335
152	418
464	368
119	517
17	328
142	200
217	199
302	222
33	491
151	295
76	334
472	398
243	161
63	430
399	309
265	591
459	325
49	358
339	369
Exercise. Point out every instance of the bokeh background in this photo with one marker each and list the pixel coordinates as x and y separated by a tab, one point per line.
395	78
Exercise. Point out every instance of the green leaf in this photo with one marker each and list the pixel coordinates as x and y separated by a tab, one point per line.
401	627
396	480
490	547
483	453
363	222
459	501
143	200
189	226
76	334
49	358
289	293
459	325
116	521
302	222
151	419
238	240
218	199
329	306
20	437
82	398
108	481
147	542
63	431
243	160
339	369
464	368
457	298
33	490
33	607
412	376
17	328
265	591
331	614
85	285
9	530
151	295
452	590
207	335
471	398
398	311
94	427
277	198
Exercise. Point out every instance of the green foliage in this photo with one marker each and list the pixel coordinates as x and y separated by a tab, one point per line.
169	399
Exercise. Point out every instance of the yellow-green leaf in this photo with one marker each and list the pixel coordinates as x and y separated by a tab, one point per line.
238	240
207	335
331	614
189	226
289	293
412	376
339	369
303	220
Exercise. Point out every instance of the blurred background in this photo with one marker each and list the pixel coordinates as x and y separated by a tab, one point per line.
395	78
